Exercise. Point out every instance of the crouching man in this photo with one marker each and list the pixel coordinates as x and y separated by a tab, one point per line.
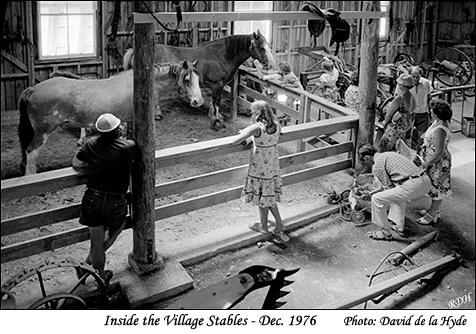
401	182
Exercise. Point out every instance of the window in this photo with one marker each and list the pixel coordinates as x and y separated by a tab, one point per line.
67	29
383	21
247	27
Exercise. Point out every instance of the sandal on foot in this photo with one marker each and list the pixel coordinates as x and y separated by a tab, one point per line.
379	235
396	230
281	235
426	220
424	212
257	228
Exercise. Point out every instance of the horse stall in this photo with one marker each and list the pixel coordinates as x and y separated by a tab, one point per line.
198	176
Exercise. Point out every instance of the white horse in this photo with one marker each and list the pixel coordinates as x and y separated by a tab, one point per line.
60	100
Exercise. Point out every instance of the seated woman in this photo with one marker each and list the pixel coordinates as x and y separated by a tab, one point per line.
327	82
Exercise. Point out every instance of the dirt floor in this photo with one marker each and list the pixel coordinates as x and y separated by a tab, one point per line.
334	256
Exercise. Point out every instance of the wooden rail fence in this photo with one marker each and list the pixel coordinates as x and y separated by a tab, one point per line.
67	177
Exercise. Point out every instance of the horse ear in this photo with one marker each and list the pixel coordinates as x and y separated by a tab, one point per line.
195	63
255	36
185	64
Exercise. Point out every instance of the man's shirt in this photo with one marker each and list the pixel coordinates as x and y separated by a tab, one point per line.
109	163
421	93
392	167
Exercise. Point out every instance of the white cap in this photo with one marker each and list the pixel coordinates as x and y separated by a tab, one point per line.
107	122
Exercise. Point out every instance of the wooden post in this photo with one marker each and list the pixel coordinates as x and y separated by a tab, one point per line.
144	257
368	74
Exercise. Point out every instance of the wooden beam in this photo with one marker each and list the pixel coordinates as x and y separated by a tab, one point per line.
234	173
250	16
367	74
356	298
196	203
144	257
39	219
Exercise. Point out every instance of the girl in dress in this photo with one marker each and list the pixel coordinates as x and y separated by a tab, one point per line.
263	184
437	159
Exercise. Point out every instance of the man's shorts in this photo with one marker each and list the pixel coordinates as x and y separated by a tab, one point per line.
99	208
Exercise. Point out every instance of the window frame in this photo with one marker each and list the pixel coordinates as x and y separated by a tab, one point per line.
268	34
384	21
70	56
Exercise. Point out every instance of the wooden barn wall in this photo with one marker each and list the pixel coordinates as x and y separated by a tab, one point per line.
434	25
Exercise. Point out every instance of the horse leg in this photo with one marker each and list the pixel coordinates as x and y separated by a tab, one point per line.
33	151
216	119
158	112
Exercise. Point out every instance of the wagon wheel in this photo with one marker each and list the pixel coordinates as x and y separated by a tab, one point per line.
350	67
452	67
59	301
404	59
53	284
357	217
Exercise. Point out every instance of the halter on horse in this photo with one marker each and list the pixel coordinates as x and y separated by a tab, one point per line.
218	62
60	100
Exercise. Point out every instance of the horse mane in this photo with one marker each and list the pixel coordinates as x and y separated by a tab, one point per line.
237	45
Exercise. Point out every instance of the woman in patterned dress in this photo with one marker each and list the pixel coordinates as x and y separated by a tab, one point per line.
437	159
263	184
400	116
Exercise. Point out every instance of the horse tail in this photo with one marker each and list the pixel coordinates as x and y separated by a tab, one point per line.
128	62
26	132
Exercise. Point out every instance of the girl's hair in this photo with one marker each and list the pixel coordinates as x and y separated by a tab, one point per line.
285	67
261	112
441	109
328	65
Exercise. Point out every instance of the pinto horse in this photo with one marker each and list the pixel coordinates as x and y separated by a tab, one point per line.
61	100
218	62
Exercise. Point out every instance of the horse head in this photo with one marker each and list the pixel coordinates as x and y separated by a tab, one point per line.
260	50
189	81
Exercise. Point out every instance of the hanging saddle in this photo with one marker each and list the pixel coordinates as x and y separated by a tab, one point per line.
316	27
340	28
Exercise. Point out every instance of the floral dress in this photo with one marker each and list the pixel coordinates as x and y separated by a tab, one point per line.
263	184
439	172
399	128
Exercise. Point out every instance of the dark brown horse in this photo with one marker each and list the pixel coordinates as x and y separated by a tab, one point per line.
60	100
218	62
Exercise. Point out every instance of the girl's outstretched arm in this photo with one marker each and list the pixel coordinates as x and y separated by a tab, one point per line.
252	130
